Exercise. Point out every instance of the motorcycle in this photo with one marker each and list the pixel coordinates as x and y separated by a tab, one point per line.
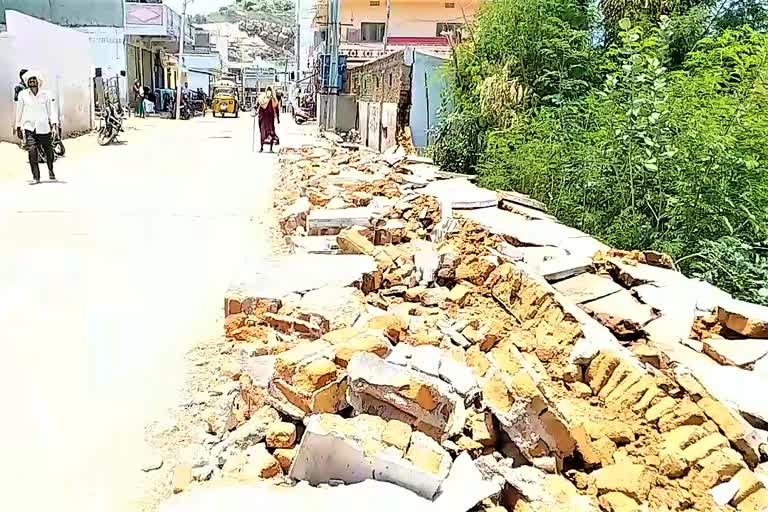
111	125
185	111
300	116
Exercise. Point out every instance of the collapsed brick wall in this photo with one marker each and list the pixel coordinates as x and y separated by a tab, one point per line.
597	429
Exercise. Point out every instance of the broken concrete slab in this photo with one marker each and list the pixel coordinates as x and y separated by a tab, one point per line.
532	256
352	451
632	273
315	244
544	492
677	306
425	358
279	276
750	320
735	352
460	376
461	193
522	200
346	498
321	221
557	269
396	392
340	306
726	383
620	308
540	233
587	287
464	487
527	211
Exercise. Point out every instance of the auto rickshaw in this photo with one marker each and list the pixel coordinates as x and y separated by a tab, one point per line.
225	99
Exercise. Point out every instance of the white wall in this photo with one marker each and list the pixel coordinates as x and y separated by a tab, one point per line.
108	53
63	57
201	80
9	76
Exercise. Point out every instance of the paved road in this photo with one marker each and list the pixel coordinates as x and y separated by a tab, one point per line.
106	279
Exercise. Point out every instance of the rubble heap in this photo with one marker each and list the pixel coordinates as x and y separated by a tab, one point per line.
462	344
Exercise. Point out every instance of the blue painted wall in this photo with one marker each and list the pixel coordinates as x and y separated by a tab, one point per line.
423	118
72	13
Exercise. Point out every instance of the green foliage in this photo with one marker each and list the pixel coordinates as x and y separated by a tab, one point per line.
740	268
459	139
656	159
523	53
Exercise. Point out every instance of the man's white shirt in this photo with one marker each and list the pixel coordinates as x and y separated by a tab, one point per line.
36	112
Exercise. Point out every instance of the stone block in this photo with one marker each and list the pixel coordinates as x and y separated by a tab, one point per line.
742	435
366	343
750	320
351	241
397	434
634	480
281	435
285	457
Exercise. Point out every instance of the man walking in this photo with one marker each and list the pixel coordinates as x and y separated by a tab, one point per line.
36	116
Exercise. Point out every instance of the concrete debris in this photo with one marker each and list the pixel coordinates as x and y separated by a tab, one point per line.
750	320
735	352
461	194
465	486
542	492
392	391
487	359
352	451
587	287
345	498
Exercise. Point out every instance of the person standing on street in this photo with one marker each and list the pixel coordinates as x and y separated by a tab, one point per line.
268	113
138	97
36	117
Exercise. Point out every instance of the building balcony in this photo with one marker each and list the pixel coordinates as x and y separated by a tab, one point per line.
154	19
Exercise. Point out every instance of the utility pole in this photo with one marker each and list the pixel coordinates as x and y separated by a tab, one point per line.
181	59
386	25
333	72
298	42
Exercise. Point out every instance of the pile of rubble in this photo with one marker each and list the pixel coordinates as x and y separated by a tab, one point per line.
462	344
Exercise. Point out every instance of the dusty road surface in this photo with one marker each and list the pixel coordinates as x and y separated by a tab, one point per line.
106	279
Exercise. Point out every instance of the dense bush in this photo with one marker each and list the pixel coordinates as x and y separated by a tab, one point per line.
656	159
667	151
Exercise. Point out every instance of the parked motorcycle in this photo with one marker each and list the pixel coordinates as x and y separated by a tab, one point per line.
111	125
300	116
185	111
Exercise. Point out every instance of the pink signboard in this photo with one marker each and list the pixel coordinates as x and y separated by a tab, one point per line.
144	14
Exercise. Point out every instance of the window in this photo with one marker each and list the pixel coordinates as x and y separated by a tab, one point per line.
375	3
448	28
372	32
